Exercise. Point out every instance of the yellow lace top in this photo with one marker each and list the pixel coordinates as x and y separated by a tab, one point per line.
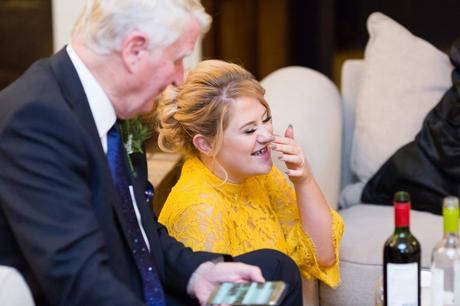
206	214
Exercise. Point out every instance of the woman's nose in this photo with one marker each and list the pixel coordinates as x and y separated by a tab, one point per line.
265	136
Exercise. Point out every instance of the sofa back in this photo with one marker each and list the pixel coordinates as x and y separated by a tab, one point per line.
310	102
350	84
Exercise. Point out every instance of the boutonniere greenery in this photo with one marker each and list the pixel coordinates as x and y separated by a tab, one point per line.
133	133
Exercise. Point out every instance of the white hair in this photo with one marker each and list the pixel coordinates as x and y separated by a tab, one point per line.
104	24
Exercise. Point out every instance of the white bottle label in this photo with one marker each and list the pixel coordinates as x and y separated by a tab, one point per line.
402	284
437	287
457	282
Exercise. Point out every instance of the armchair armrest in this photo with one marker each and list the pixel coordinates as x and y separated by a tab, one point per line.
351	82
13	289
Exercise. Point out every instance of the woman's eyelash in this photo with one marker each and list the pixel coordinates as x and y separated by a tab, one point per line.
268	119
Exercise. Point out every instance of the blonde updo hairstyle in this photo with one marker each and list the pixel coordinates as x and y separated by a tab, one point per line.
201	106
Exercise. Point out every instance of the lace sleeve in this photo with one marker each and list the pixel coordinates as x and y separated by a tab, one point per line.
300	247
283	200
302	250
199	226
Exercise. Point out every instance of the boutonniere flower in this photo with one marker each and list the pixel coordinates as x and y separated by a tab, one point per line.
133	133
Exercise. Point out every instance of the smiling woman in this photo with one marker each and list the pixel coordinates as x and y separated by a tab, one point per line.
230	198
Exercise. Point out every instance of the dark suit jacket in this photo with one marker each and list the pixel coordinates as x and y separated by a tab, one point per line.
59	212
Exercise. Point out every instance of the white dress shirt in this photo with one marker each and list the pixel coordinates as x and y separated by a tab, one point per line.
103	113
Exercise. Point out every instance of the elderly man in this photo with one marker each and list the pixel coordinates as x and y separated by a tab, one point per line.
72	219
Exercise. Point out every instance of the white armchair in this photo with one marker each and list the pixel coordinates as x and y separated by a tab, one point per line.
13	289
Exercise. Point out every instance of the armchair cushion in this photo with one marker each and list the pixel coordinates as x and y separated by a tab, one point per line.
403	78
428	167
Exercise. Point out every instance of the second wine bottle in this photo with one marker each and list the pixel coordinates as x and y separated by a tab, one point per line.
445	259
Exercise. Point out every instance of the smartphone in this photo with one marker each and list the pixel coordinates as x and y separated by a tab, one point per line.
268	293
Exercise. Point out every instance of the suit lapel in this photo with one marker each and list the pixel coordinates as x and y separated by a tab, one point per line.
74	94
73	91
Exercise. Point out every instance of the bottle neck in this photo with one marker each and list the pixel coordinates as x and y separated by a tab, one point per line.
450	237
450	220
450	232
402	216
402	230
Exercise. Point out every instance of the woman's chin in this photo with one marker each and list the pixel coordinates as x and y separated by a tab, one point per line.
267	165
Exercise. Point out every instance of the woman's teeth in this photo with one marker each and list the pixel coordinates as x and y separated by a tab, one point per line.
260	152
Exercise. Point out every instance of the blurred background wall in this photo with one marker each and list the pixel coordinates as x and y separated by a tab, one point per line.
262	35
25	35
268	34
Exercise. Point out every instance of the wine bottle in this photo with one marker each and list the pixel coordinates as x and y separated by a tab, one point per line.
401	259
445	259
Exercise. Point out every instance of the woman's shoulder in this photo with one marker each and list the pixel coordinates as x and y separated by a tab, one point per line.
188	197
192	189
193	178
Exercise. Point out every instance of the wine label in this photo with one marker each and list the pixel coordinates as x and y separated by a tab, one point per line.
402	284
437	288
457	281
443	294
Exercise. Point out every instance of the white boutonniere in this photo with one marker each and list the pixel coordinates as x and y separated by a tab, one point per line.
133	133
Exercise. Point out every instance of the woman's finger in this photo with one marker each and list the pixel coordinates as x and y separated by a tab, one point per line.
294	159
295	173
284	140
286	149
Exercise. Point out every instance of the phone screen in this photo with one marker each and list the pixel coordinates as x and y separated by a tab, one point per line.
268	293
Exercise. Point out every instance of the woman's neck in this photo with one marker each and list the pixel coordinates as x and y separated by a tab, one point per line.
218	170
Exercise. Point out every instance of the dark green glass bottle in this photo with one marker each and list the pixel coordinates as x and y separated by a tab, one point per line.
401	259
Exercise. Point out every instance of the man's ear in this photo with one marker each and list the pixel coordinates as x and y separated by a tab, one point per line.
202	144
133	50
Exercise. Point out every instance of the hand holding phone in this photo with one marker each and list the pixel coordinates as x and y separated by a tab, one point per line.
268	293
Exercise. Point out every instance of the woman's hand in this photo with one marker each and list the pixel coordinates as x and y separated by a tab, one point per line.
209	275
292	154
